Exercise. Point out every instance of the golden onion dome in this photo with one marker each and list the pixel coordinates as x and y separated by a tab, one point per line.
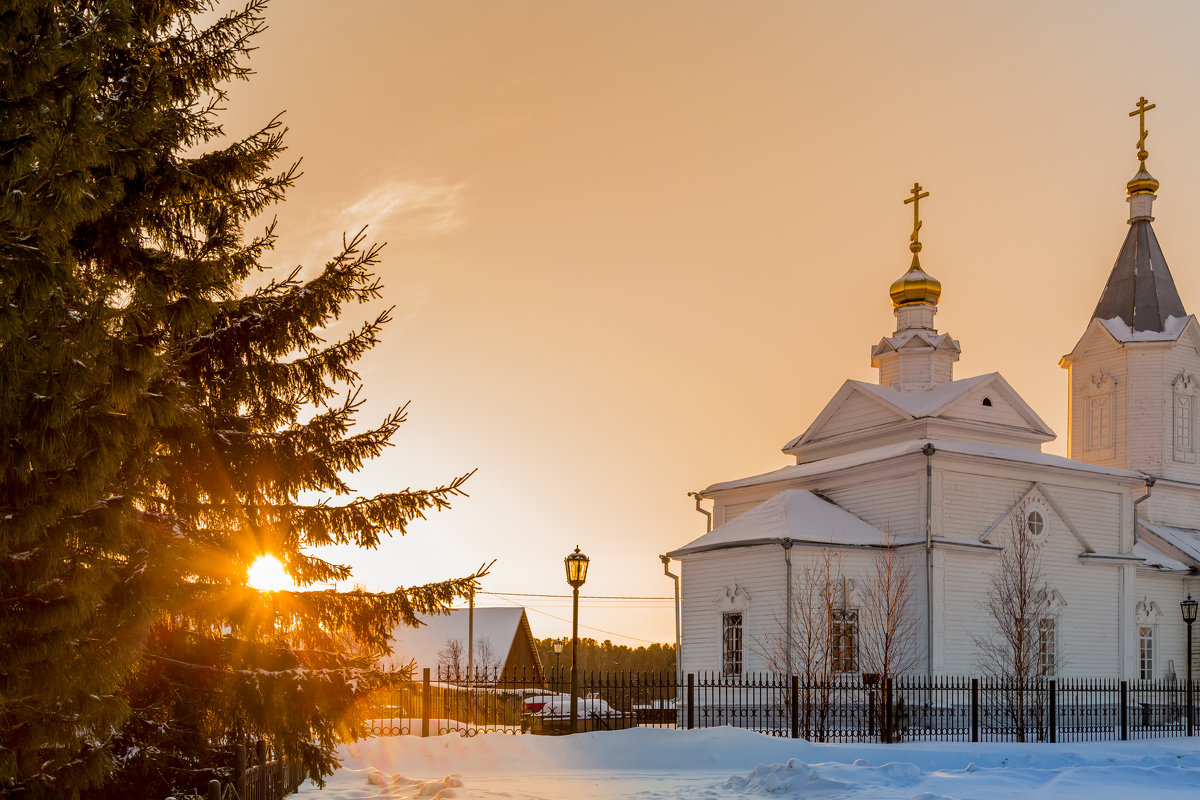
916	286
1142	183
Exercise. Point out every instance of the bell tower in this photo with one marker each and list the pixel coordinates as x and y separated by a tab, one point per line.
1133	375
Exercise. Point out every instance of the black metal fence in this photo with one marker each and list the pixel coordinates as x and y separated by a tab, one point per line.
851	708
257	775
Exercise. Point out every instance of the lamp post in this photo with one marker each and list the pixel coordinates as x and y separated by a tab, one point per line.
577	566
558	648
1188	607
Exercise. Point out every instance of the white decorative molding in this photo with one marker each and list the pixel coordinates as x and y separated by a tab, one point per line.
1055	602
1148	612
732	598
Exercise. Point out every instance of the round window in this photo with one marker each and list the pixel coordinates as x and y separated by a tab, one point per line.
1035	523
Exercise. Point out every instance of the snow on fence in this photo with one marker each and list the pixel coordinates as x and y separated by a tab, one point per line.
844	708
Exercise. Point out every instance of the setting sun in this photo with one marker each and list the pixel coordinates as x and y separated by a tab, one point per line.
267	575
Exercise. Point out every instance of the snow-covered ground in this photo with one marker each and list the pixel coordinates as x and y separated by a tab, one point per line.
726	762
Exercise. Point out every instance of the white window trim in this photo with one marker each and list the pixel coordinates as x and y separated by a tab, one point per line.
727	667
1146	615
856	650
1153	629
1101	385
1034	506
1056	650
1184	386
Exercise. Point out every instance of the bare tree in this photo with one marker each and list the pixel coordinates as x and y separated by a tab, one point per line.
487	661
1019	644
888	628
816	587
450	659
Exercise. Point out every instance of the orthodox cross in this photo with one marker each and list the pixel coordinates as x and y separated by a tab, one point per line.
1140	113
917	194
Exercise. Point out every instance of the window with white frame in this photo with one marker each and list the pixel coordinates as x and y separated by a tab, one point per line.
1146	652
1099	433
1183	417
1047	645
843	639
1098	413
1183	422
731	644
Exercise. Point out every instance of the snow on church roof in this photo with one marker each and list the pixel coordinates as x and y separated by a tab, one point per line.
1185	540
1157	558
497	625
792	514
925	404
890	451
1172	329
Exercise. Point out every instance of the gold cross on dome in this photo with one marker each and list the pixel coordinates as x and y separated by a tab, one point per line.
1140	113
917	194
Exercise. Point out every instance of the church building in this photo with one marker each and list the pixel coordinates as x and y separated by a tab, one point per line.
943	473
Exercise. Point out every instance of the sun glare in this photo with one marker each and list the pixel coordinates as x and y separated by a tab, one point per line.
266	574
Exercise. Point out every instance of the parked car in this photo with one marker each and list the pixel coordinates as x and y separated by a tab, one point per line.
551	714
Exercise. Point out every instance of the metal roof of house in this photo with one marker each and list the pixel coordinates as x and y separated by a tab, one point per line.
498	626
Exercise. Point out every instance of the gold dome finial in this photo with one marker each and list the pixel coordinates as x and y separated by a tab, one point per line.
1143	182
916	286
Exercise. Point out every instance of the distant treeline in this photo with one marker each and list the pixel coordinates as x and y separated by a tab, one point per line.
606	656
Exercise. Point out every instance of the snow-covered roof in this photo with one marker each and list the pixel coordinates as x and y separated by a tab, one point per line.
1185	540
793	514
918	405
898	449
497	625
1154	557
925	404
1172	330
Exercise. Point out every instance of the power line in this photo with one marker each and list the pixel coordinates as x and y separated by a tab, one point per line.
582	596
563	619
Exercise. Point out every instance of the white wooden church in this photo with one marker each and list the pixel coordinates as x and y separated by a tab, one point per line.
941	466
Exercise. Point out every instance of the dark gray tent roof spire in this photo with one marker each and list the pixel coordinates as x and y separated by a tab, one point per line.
1140	290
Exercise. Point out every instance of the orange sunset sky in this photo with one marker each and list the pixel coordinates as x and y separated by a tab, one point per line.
635	247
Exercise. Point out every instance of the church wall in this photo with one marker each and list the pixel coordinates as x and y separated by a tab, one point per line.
706	577
1102	357
1181	360
1158	596
1172	505
971	503
1095	514
760	574
1088	635
1146	392
963	579
890	504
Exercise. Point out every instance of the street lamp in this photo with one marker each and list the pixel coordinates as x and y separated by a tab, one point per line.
558	648
577	566
1188	607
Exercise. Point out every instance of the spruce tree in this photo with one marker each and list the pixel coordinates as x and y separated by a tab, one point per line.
164	423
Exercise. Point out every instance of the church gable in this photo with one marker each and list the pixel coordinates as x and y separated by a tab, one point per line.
1037	513
851	409
1097	341
994	401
